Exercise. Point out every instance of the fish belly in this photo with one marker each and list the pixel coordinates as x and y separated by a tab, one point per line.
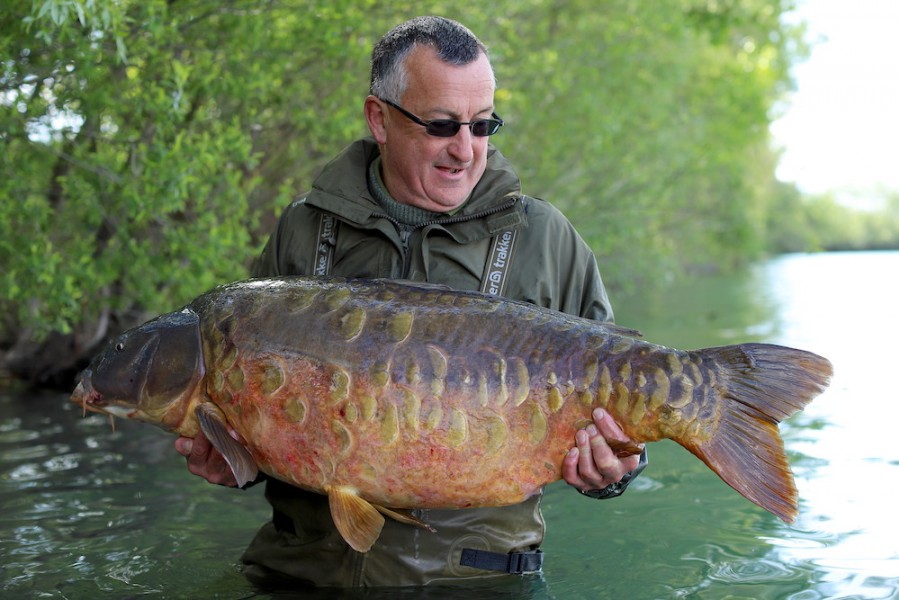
415	398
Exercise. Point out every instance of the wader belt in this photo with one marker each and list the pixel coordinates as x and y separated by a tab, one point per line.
514	562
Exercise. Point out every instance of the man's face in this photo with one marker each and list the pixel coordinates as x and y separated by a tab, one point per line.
435	173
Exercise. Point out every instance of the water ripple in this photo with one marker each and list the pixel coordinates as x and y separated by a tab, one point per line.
88	513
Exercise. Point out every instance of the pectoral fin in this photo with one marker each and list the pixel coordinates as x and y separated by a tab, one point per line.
357	520
215	427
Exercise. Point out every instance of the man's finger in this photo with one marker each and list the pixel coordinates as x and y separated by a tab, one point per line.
184	446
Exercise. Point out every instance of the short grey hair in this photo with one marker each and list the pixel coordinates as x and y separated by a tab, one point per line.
454	43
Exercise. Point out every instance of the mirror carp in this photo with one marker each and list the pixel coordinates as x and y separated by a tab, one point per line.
389	396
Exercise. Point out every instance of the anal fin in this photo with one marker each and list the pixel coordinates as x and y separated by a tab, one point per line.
214	426
404	516
357	520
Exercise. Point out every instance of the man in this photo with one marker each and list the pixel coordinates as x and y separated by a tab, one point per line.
427	199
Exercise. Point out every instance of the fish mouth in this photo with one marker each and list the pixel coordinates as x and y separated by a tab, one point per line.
92	400
85	394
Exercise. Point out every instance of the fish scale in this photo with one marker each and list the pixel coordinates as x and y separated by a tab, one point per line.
391	395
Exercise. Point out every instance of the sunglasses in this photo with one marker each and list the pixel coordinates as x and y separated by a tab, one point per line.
450	127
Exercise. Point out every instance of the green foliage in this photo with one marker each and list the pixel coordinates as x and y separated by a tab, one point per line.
147	146
800	224
647	124
143	142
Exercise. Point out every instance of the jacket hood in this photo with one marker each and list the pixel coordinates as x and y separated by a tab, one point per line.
342	187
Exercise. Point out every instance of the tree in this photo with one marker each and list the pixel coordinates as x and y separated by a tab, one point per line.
149	145
144	141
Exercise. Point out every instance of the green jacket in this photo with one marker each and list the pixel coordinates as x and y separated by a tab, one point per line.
551	266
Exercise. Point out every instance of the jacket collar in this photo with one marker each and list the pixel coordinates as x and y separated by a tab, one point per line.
342	189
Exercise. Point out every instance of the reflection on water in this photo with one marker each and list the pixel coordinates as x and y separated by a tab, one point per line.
88	513
845	305
686	534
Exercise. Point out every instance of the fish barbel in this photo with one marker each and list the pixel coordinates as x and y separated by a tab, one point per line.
390	395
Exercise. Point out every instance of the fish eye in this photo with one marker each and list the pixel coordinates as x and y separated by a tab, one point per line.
120	346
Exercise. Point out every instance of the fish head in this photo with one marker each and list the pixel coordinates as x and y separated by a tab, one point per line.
147	373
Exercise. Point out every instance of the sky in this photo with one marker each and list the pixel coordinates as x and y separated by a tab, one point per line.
840	130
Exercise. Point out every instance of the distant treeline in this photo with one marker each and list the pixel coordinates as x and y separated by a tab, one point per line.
148	146
823	223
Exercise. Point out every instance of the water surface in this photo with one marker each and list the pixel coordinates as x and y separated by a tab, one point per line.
88	513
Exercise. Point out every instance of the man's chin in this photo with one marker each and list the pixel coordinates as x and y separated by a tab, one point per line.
445	203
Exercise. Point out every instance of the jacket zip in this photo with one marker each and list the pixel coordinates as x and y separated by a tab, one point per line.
405	236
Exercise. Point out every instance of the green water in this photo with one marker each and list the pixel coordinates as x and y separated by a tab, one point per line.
87	513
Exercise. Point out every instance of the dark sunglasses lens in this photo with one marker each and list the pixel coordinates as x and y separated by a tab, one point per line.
484	127
449	128
443	128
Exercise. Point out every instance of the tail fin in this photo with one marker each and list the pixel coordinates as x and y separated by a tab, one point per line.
762	385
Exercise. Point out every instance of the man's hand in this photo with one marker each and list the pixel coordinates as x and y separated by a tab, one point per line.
204	460
591	464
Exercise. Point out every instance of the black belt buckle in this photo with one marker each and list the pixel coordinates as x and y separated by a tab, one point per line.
515	563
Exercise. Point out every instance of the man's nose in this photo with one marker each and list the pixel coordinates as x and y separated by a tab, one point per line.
461	147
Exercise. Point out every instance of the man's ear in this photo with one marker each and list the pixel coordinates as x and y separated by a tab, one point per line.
376	117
